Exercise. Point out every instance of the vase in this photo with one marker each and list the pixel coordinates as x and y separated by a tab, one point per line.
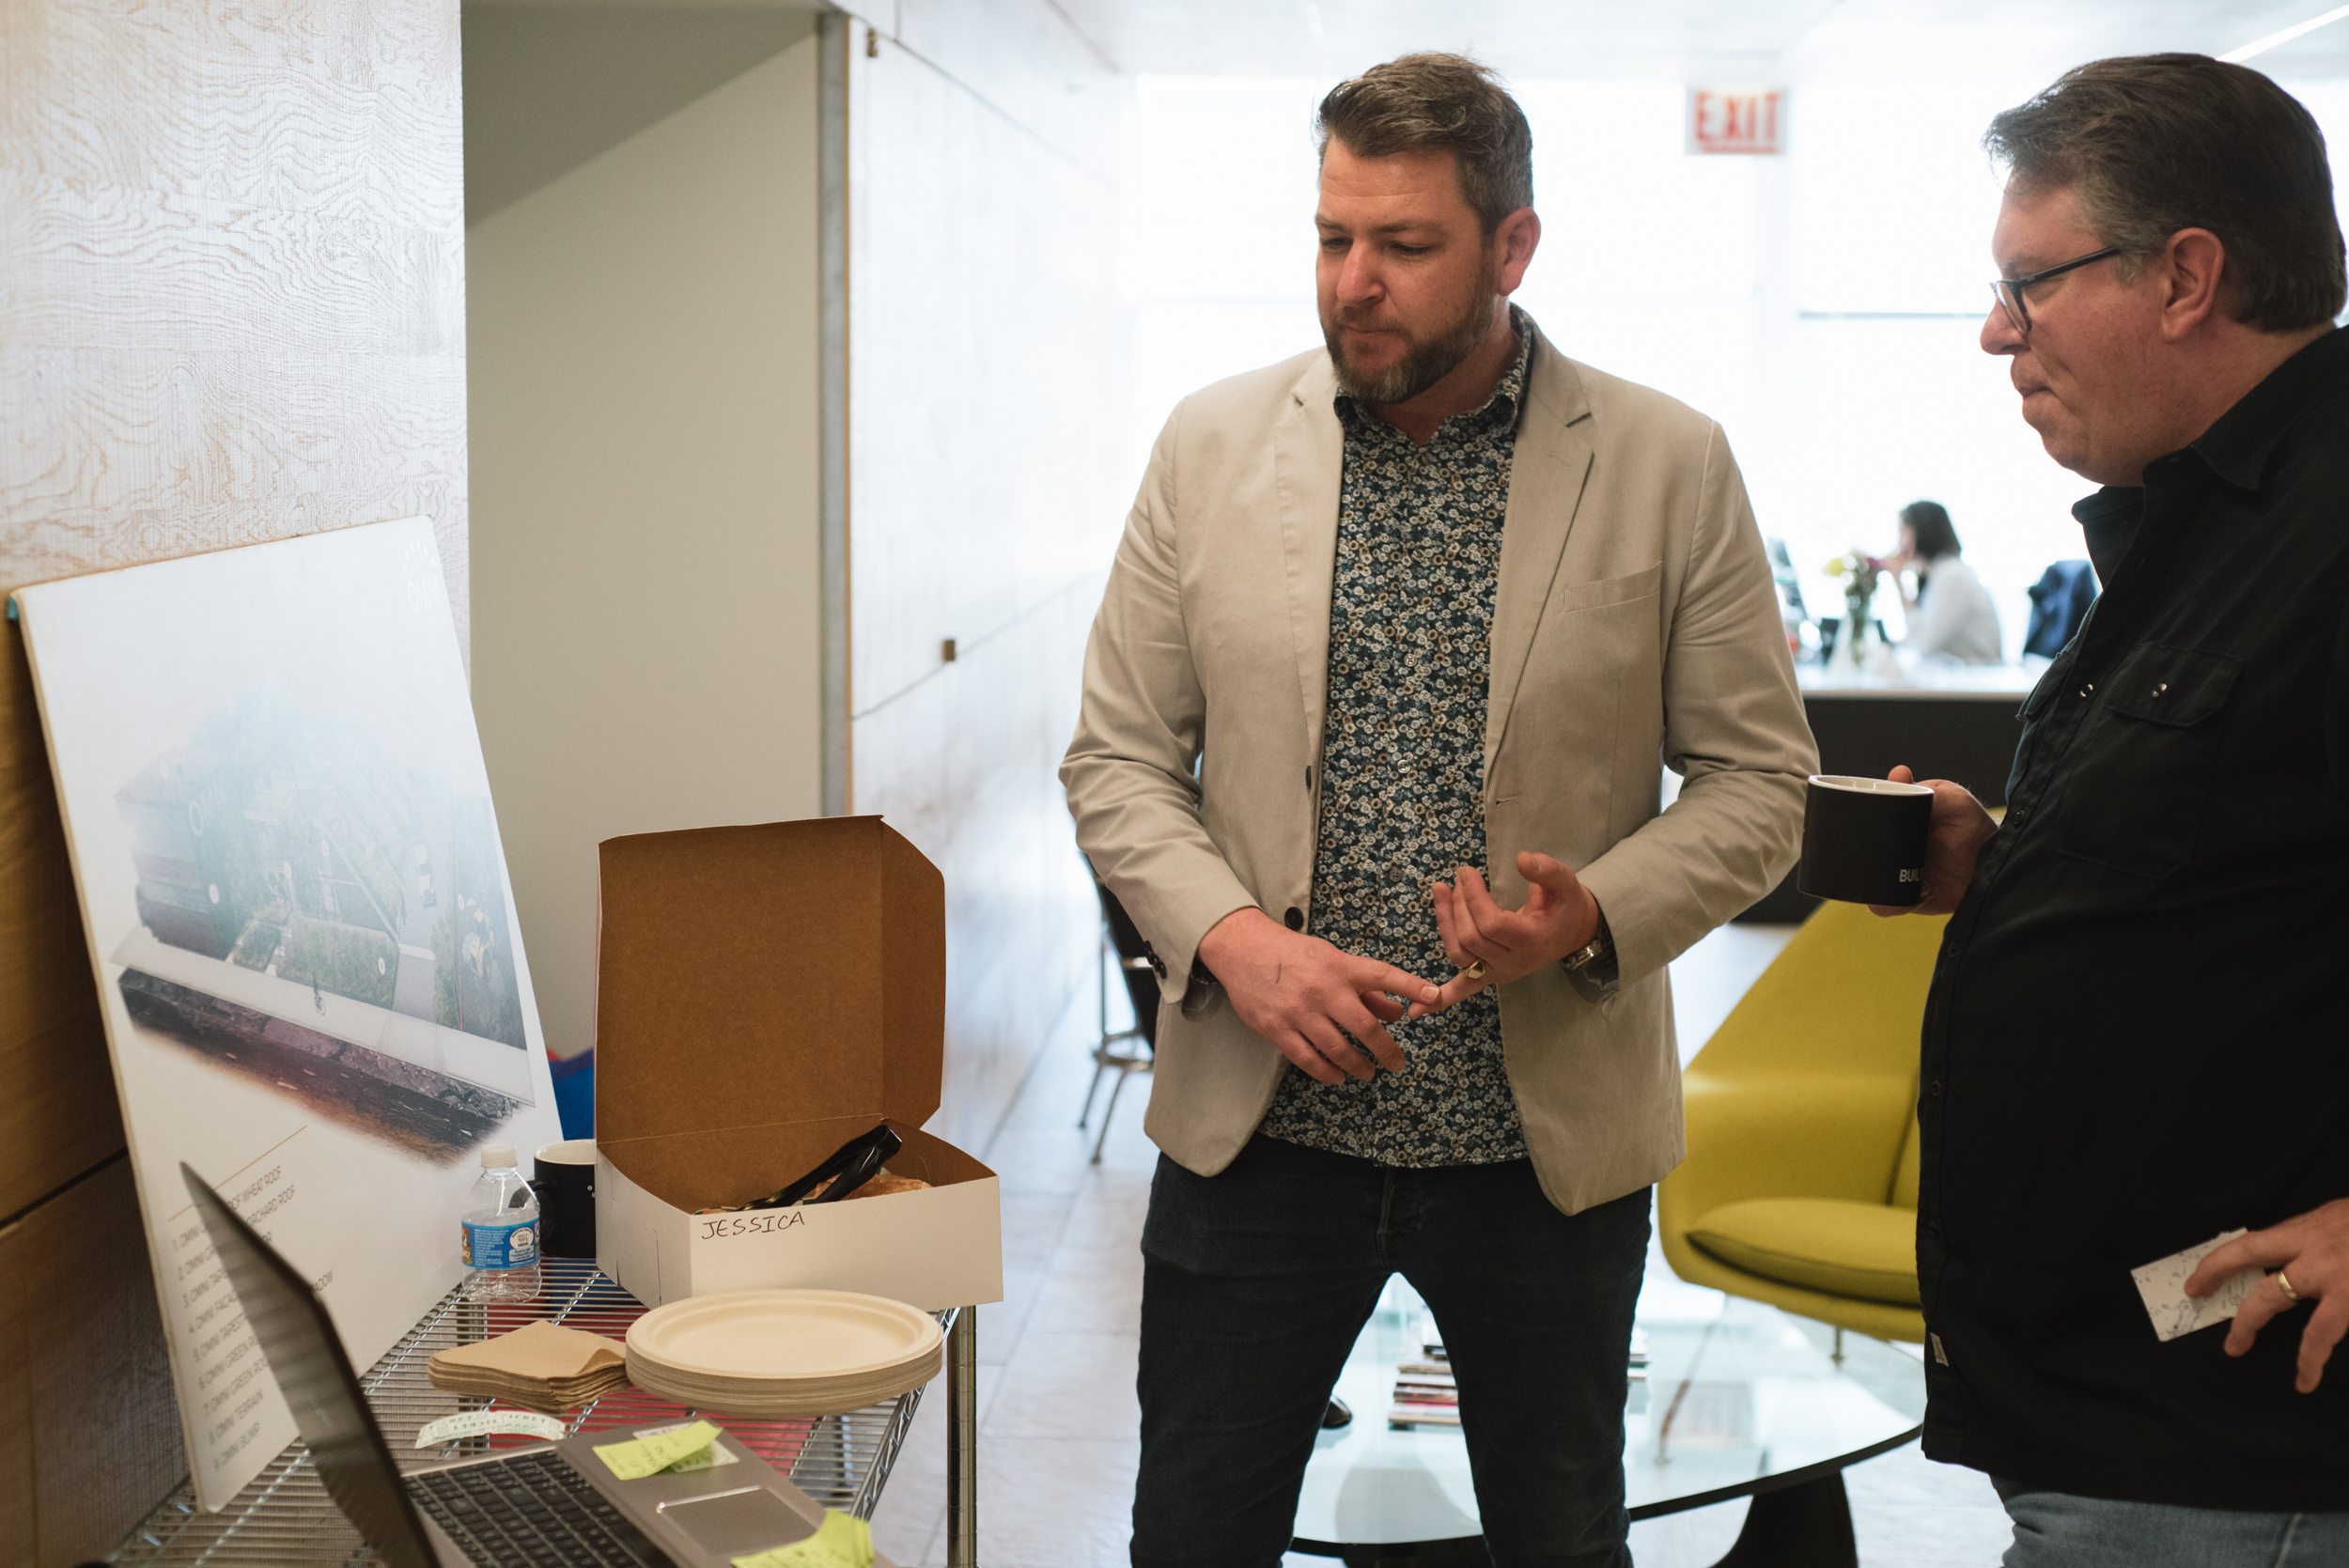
1857	647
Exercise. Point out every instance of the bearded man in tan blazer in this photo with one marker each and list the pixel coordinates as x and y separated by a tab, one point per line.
1373	715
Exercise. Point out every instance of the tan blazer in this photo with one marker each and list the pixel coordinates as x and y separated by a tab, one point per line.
1635	618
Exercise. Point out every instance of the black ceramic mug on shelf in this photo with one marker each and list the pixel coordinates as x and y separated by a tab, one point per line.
1863	839
564	1177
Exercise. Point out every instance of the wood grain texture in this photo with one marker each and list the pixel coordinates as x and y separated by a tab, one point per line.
58	1110
987	425
16	1406
334	108
85	1366
231	309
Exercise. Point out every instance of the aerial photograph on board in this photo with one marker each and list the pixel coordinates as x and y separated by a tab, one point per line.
326	923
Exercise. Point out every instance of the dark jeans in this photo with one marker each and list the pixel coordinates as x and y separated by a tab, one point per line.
1255	1283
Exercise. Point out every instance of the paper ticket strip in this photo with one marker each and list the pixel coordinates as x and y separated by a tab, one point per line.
482	1424
2162	1283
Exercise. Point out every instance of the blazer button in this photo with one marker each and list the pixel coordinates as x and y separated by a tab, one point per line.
1295	919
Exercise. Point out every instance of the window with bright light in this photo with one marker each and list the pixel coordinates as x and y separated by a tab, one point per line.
1824	305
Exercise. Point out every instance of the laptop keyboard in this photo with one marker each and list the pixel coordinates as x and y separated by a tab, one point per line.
532	1511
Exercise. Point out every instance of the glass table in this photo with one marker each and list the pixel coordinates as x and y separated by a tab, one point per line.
1747	1402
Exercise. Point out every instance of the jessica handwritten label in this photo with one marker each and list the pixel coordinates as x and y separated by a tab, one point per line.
762	1222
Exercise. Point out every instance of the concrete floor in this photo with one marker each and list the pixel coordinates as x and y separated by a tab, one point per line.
1056	1378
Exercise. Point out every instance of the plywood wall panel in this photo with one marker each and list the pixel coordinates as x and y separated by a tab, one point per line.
104	264
342	108
83	1367
16	1522
231	309
111	456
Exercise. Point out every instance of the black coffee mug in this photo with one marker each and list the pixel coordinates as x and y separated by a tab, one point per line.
565	1181
1863	839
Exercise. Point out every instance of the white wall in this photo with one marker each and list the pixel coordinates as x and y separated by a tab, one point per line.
644	428
550	85
989	382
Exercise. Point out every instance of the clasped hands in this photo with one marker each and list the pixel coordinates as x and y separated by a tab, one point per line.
1326	1010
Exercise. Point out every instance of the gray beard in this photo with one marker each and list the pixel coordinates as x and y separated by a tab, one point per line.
1428	360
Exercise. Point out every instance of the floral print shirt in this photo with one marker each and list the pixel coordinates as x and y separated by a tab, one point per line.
1403	772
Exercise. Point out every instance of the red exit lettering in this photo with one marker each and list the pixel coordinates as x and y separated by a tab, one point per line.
1735	119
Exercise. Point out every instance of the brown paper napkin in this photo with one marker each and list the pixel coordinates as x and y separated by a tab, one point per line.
541	1364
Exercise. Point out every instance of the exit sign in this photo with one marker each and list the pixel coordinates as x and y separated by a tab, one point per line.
1737	119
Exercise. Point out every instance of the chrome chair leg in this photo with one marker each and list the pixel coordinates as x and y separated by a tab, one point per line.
1109	1114
1099	1066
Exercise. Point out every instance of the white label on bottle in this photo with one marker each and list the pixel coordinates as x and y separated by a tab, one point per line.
500	1246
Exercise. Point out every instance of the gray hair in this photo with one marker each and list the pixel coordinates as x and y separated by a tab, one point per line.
2154	143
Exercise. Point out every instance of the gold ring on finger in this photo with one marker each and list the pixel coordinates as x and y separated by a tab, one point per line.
2285	1285
1475	969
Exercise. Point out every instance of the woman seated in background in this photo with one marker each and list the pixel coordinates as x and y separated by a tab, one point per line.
1950	613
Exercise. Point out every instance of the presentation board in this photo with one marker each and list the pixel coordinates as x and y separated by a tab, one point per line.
303	936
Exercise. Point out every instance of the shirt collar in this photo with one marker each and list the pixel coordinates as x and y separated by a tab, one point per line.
1500	410
2238	446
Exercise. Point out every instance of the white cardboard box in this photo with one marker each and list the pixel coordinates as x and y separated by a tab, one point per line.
765	994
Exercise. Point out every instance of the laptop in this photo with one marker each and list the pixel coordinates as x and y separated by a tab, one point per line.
548	1505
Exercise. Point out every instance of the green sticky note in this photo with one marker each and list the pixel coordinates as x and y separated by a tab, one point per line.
844	1542
642	1456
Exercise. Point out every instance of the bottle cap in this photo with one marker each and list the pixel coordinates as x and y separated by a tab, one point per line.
494	1155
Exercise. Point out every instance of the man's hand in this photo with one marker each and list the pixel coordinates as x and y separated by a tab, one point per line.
2312	1252
1306	995
1954	841
1560	918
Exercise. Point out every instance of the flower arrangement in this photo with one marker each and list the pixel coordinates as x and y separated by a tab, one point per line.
1858	572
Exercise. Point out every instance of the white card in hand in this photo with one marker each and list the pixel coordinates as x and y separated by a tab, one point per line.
2162	1283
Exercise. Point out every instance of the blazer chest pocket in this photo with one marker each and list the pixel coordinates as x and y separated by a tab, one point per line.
2136	802
1627	589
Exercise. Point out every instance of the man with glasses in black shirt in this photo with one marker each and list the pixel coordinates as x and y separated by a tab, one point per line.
2134	1042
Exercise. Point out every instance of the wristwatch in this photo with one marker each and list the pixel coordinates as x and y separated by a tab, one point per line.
1599	949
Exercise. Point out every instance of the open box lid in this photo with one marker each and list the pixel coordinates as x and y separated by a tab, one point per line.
767	976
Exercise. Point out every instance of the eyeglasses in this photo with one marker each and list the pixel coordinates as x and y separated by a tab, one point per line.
2009	291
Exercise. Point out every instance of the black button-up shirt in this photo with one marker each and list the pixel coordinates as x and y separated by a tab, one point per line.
2137	1036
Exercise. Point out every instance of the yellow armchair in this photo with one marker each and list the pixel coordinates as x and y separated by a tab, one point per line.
1800	1184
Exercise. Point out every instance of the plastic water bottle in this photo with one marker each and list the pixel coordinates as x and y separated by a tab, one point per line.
501	1230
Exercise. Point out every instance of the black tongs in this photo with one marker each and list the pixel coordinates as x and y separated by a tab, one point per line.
855	1162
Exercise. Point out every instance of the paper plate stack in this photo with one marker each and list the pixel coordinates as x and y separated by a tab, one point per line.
784	1352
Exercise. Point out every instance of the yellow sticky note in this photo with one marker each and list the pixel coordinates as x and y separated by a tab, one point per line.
641	1456
844	1542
